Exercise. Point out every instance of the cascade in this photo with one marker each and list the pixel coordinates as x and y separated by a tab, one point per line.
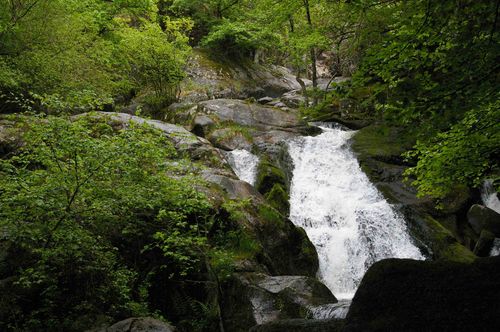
346	218
489	196
244	164
490	200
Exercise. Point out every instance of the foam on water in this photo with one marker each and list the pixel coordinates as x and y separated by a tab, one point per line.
347	219
489	196
244	164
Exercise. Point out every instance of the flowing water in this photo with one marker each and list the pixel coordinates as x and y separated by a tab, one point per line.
347	219
490	199
489	196
244	164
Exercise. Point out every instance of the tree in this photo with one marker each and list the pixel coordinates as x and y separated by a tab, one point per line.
87	215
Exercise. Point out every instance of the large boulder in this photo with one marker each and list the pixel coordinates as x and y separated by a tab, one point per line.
482	218
209	77
301	325
256	298
408	295
247	113
139	324
484	244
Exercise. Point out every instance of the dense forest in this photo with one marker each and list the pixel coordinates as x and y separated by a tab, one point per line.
103	219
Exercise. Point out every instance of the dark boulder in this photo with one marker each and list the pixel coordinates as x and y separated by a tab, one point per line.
301	325
139	324
408	295
484	244
482	218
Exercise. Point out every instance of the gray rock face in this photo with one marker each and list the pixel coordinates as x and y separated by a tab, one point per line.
482	218
210	78
140	324
256	298
235	189
248	114
293	99
229	140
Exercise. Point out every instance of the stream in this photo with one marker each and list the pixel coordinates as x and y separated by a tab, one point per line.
346	218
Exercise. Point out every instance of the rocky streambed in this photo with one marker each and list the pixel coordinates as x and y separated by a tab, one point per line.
278	287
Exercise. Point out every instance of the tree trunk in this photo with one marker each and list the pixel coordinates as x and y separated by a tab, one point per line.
312	53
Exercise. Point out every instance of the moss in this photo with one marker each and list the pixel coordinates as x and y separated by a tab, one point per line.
271	216
382	142
444	245
268	175
278	198
232	129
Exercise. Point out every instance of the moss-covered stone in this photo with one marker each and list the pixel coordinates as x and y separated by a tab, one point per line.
268	175
382	143
408	295
278	198
442	243
281	238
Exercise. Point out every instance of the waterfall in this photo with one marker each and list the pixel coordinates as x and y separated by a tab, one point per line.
346	218
489	196
244	164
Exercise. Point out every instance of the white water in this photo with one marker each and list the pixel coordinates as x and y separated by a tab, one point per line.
489	196
346	218
244	164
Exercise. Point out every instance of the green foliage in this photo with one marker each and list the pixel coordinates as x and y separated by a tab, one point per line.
83	210
278	198
431	72
154	60
239	39
78	55
464	154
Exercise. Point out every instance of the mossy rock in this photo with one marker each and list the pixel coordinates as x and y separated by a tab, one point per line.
281	238
382	143
442	243
268	175
278	198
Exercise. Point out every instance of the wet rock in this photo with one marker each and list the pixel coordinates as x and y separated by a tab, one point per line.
140	324
407	295
482	218
255	298
484	244
301	325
